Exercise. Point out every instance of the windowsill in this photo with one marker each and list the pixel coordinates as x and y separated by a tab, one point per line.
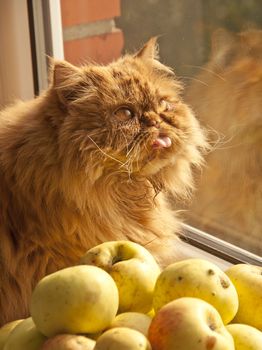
198	244
189	251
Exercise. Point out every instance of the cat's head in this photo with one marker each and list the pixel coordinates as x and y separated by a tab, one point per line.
127	118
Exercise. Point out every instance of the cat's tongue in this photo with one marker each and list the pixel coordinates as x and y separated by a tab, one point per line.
162	142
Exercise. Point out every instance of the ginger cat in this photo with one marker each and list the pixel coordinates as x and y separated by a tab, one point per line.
90	160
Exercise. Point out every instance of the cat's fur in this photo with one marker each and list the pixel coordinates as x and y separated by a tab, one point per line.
227	96
75	170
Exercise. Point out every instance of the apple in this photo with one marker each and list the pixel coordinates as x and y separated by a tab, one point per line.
122	338
68	342
25	336
78	299
189	324
197	278
151	313
93	336
134	320
248	282
245	337
5	330
133	269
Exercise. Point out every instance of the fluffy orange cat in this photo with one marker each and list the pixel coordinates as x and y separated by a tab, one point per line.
90	160
227	96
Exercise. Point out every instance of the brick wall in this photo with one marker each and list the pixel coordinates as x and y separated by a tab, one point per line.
89	30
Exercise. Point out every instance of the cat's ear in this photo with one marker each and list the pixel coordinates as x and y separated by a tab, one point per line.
149	50
150	53
65	78
222	46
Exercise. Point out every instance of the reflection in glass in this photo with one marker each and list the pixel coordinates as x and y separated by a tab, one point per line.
214	48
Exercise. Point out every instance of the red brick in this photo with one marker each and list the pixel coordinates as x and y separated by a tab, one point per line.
101	49
82	11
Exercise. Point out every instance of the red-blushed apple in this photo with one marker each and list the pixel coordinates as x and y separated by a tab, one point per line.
68	342
122	338
189	324
197	278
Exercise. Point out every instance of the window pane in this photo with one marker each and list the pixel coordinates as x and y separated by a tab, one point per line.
215	48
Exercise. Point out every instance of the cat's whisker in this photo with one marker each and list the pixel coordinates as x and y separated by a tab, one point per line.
131	149
218	138
194	79
232	146
124	138
206	70
104	153
126	166
140	142
135	143
129	155
146	145
222	142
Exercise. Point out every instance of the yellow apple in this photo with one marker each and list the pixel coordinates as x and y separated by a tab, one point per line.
78	299
197	278
93	336
189	324
133	269
68	342
134	320
151	313
245	337
5	330
122	338
25	336
248	282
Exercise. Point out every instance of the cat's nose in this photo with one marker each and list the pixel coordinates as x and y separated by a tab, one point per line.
151	120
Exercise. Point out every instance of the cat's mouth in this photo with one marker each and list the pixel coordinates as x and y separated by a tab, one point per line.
161	141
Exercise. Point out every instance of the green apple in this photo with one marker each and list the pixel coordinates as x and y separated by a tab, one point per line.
69	342
133	269
134	320
245	337
197	278
122	338
189	324
248	282
78	299
25	336
5	330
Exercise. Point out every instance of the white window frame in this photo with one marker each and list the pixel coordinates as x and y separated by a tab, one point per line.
47	36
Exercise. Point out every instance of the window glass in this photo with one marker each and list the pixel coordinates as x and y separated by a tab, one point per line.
215	48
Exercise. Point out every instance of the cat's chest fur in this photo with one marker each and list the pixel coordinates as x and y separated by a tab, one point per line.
112	210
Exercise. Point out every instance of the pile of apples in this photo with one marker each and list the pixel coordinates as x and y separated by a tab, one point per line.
118	298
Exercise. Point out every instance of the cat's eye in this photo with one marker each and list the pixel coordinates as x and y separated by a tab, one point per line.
167	106
124	113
